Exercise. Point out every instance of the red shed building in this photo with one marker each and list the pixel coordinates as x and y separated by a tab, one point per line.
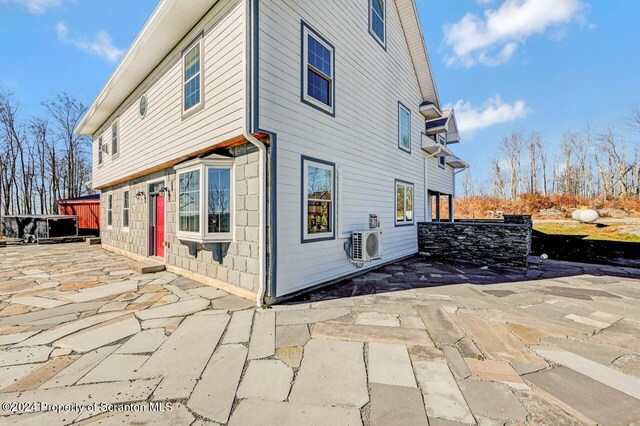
87	209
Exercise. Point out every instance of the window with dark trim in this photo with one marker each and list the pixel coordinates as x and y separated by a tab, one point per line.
404	128
317	71
377	21
318	200
404	203
110	210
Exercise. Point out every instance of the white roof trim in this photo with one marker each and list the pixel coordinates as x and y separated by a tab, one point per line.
418	50
165	29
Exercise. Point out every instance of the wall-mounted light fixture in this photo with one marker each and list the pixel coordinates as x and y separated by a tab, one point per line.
139	195
164	190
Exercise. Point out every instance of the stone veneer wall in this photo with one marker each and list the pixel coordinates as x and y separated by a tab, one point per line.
236	263
497	243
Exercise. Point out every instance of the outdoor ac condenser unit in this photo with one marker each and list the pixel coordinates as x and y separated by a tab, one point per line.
366	246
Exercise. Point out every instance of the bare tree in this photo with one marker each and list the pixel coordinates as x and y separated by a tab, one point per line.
512	147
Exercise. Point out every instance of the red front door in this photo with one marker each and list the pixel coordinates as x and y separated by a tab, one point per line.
159	228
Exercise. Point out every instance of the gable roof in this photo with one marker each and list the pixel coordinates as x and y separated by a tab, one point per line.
418	50
173	19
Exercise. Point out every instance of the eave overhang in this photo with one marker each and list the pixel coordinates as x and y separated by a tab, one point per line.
433	148
457	162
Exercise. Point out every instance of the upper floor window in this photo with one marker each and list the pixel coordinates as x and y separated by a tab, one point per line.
114	138
318	68
404	203
125	209
404	128
377	20
206	200
318	208
100	150
110	210
442	140
192	73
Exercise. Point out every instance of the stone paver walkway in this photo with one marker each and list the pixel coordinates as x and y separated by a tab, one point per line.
85	339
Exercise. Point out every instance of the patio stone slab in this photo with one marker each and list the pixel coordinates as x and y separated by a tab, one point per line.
528	335
266	380
60	319
239	329
618	334
292	356
587	396
307	316
262	343
497	371
396	405
66	329
376	318
144	342
591	349
332	373
40	376
172	322
203	333
457	364
38	302
232	303
178	309
103	291
494	400
219	383
390	365
208	292
30	317
439	324
608	376
115	368
178	415
292	335
544	412
371	333
292	414
101	334
79	368
10	375
10	339
442	397
24	355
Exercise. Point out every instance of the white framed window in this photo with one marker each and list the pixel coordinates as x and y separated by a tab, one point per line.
100	151
442	140
404	128
318	200
192	82
110	211
126	208
206	204
377	20
318	88
115	138
404	203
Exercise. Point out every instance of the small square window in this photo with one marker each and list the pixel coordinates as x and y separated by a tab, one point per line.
404	128
404	203
318	185
377	21
317	71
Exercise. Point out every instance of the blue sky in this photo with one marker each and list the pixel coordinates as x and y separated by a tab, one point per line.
537	65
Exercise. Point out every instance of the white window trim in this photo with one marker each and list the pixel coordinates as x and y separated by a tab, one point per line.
306	32
126	228
196	107
306	236
146	108
109	209
404	222
384	22
100	151
202	165
401	109
115	122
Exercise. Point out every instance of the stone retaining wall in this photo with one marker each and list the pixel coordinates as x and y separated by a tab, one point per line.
487	243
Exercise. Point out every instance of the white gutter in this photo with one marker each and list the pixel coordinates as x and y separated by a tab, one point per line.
262	151
426	182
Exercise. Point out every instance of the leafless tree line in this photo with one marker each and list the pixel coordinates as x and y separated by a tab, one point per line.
589	164
41	159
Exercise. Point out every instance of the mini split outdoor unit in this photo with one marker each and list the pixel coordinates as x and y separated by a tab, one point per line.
366	246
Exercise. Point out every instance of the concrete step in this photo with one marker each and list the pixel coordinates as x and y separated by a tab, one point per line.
148	267
94	241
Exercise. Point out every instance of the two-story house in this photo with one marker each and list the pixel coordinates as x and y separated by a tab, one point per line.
246	143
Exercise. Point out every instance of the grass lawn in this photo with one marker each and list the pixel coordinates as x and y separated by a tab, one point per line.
591	231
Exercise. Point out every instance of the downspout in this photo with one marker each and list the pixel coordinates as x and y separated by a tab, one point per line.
426	182
262	151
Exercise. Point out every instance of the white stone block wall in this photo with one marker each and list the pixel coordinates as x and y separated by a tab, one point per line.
239	263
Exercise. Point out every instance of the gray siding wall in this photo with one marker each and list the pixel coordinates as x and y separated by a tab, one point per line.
239	266
164	134
362	139
440	180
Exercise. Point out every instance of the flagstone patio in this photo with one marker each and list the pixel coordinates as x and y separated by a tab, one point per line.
411	343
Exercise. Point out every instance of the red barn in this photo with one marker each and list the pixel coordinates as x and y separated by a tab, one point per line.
87	209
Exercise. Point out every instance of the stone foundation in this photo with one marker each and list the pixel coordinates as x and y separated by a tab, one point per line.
487	243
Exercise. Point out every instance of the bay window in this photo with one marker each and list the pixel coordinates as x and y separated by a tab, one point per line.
318	207
404	203
206	200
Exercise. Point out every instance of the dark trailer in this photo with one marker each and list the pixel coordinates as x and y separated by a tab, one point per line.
38	228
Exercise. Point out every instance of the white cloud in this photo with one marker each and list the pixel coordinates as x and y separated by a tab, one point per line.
493	111
102	45
494	39
36	6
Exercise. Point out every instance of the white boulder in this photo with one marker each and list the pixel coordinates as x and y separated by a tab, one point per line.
589	216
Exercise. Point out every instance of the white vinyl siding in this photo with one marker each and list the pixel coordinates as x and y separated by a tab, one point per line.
361	139
440	179
165	134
